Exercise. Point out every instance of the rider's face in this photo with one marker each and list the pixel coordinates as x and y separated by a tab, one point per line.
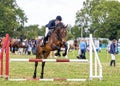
57	21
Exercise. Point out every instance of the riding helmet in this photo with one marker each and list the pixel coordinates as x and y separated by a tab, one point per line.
59	18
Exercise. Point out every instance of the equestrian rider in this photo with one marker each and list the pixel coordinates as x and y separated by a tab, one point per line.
21	38
50	27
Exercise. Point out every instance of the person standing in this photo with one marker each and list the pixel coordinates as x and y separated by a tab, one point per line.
29	48
113	52
82	50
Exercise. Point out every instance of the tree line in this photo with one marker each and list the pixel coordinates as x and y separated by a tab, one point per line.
99	17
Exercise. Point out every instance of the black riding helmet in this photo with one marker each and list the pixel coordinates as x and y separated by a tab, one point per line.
59	18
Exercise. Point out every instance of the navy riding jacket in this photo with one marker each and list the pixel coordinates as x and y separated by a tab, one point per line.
112	48
51	24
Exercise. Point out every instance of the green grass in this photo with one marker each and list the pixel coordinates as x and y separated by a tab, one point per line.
111	75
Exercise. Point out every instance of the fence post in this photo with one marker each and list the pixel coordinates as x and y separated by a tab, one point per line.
0	65
91	71
7	57
1	57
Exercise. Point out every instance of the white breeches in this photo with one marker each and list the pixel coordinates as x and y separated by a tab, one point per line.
112	56
46	31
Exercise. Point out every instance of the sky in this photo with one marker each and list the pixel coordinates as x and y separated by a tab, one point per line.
41	11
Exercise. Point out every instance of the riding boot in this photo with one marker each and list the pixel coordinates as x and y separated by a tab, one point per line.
44	42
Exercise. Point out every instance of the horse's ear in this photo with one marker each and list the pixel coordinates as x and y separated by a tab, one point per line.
66	26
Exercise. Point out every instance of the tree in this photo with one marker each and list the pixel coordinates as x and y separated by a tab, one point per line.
42	31
69	35
11	17
102	18
30	32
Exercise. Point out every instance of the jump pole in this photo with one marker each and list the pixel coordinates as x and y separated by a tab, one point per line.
54	79
48	60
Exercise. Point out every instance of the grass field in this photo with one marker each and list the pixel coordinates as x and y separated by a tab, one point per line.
111	75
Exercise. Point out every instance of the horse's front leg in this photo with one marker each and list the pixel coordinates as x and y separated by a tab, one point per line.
43	63
42	71
58	52
54	47
66	48
36	64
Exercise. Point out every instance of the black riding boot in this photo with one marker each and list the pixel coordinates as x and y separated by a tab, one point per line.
44	41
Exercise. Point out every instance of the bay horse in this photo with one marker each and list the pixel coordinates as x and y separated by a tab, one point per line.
14	43
56	41
2	41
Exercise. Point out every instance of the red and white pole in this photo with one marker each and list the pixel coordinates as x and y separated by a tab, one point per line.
0	65
1	58
7	57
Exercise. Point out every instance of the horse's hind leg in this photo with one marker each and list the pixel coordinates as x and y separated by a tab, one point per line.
36	64
42	72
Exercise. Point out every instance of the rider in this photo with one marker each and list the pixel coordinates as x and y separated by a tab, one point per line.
21	38
49	27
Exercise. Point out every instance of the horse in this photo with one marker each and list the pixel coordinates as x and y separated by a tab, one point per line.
2	41
56	41
15	44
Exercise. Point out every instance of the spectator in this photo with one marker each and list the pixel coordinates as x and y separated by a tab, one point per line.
100	45
82	50
112	52
29	48
34	44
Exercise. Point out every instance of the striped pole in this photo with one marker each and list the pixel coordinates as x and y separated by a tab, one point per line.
1	56
0	65
48	60
7	57
54	79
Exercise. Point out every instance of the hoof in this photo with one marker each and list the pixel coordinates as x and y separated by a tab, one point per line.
64	54
34	76
77	57
41	77
57	54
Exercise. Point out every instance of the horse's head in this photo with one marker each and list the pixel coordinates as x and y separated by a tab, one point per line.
61	32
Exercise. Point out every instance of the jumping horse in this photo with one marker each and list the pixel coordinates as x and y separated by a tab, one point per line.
56	41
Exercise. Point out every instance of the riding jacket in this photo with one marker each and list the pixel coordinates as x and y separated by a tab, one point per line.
112	48
51	24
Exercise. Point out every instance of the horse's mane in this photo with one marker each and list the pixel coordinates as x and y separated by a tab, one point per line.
57	30
59	26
